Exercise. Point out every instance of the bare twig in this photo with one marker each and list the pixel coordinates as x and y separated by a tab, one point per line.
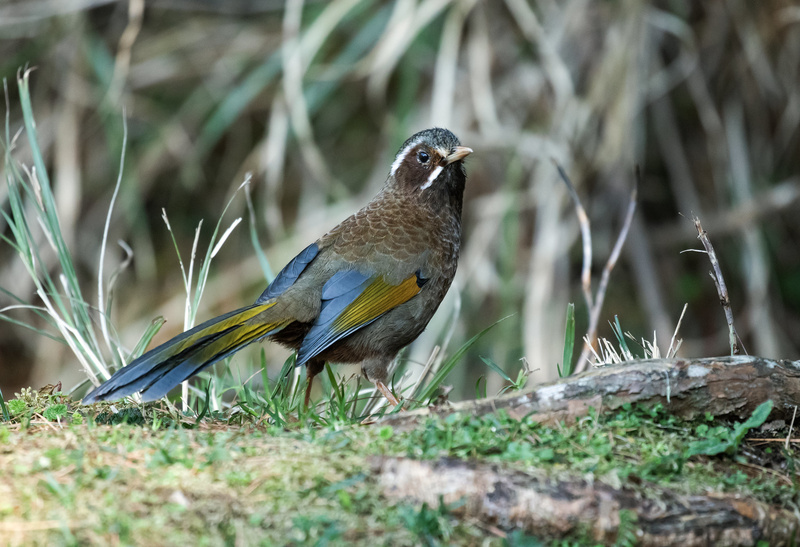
586	237
595	303
722	289
612	261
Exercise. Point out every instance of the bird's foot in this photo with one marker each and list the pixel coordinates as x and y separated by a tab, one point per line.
387	393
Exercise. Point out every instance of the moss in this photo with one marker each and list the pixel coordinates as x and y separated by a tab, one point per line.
211	483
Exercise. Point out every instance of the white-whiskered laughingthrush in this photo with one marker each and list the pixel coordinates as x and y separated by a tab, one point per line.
359	294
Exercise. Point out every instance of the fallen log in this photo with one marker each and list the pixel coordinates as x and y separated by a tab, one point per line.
556	508
724	386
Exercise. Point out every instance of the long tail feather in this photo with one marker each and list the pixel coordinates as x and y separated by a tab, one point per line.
164	367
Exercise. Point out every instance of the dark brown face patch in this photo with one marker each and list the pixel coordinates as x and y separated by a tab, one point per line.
416	167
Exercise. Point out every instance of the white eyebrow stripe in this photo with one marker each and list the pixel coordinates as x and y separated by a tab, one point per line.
400	157
432	177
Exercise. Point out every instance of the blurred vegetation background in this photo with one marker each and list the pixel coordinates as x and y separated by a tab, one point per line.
313	98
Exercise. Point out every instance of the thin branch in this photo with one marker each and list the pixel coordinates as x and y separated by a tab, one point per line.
586	237
594	311
722	289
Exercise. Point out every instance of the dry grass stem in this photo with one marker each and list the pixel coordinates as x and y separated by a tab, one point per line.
586	239
791	428
672	351
722	289
594	303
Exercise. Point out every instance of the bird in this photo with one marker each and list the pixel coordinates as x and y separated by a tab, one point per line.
359	294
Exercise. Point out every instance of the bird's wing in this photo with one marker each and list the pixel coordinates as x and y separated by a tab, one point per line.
289	274
351	300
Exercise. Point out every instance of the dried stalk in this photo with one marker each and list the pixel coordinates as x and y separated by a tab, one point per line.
595	303
722	289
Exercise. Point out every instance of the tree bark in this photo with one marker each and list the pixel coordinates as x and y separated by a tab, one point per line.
552	508
724	386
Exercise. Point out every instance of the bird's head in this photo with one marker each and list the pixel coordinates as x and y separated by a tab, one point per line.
430	165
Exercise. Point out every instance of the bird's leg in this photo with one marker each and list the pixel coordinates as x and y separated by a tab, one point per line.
376	370
312	369
387	393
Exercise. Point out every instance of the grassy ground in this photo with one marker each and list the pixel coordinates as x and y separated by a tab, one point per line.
700	96
161	479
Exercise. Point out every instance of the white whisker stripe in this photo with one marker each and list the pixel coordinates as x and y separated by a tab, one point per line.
432	177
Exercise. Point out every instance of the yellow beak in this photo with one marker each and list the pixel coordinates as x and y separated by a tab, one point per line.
456	154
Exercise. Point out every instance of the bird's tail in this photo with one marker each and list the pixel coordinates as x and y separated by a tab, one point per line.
162	368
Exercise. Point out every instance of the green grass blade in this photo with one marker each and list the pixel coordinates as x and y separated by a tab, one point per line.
144	341
3	408
449	365
262	355
338	402
567	367
623	345
236	100
213	247
495	367
79	307
28	326
283	377
206	402
263	261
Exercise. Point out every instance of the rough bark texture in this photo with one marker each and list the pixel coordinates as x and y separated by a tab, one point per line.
554	508
723	386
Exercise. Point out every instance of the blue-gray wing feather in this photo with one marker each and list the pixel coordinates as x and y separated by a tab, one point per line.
289	274
338	292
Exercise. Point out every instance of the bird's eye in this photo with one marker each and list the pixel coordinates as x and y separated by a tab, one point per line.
423	157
